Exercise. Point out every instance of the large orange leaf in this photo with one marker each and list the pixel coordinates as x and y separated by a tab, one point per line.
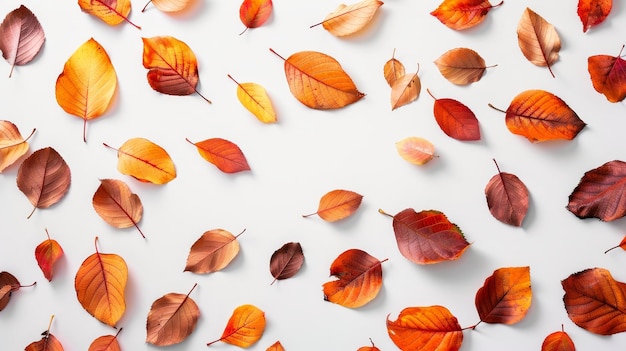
172	66
426	328
416	150
538	40
244	328
172	318
254	13
255	99
48	342
100	284
21	37
87	84
169	6
593	12
456	119
558	341
507	198
393	70
212	252
539	115
117	205
145	161
111	12
461	66
360	277
47	254
337	204
505	296
12	145
224	154
463	14
350	19
595	301
608	75
286	261
44	178
8	285
405	90
106	343
318	80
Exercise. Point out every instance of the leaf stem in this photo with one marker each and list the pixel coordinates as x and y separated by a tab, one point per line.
496	5
202	96
29	285
85	130
144	8
614	247
192	288
31	212
11	72
472	327
47	234
495	108
275	53
49	325
497	167
245	30
380	210
95	243
21	142
236	236
431	95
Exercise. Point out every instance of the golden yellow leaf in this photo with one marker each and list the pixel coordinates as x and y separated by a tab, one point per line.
145	161
255	99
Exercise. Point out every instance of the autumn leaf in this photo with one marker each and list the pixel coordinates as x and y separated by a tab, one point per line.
539	115
318	80
463	14
277	346
106	343
286	261
12	145
593	12
558	341
224	154
8	285
456	119
255	99
622	244
111	12
393	70
415	150
117	205
360	277
21	37
507	198
538	40
212	252
145	161
350	19
172	318
47	254
48	342
369	348
461	66
254	13
427	237
337	204
100	284
505	296
244	328
599	193
44	178
426	328
169	6
405	90
595	301
172	66
608	75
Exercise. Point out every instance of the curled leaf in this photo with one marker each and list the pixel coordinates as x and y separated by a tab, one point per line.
244	328
286	261
461	66
405	90
145	161
255	99
254	13
558	341
350	19
463	14
507	198
393	70
224	154
593	12
538	40
337	204
117	205
505	296
47	254
212	252
608	75
456	119
416	150
111	12
12	145
21	37
426	328
172	318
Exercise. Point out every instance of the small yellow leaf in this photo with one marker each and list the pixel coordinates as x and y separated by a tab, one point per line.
255	99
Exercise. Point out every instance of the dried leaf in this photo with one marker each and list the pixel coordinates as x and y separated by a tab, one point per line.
600	193
393	70
87	85
44	178
277	346
538	40
462	14
48	342
169	6
337	204
255	99
505	296
212	252
507	198
224	154
608	75
100	284
47	254
145	161
244	328
117	205
595	301
461	66
318	81
172	318
350	19
254	13
369	348
622	244
12	145
8	285
416	150
456	119
405	90
106	343
558	341
21	37
172	66
426	328
360	277
111	12
593	12
286	261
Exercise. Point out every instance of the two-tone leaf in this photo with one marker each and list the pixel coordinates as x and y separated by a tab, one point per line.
538	40
47	253
145	161
212	252
117	205
111	12
608	75
224	154
462	14
244	328
415	150
12	145
8	285
426	328
254	13
558	341
505	296
593	12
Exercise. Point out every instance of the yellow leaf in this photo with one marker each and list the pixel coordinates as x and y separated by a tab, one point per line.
145	161
255	99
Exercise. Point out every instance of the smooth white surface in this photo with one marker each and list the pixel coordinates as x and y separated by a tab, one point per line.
296	161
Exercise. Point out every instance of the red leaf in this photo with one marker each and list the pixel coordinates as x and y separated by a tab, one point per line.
507	198
593	12
558	341
462	14
224	154
46	254
426	328
456	119
608	75
254	13
286	261
505	297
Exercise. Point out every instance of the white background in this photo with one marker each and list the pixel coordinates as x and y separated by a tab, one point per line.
295	161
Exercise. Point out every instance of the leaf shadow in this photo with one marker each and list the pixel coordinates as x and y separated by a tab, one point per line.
455	271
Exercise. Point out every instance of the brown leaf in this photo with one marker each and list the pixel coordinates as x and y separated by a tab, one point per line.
172	318
350	19
21	37
244	328
117	205
461	66
463	14
558	341
212	252
593	12
456	119
393	70
337	204
608	75
426	328
224	154
47	254
286	261
538	40
8	284
505	296
12	145
507	198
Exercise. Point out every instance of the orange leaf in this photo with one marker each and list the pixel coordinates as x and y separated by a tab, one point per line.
350	19
106	343
539	116
44	178
360	277
277	346
558	341
117	205
145	161
593	12
254	13
456	119
369	348
426	328
172	318
48	342
393	70
337	204
100	283
595	301
21	37
318	80
538	40
87	84
112	12
507	198
462	14
415	150
8	285
169	6
224	154
173	67
461	66
505	296
255	99
286	261
12	145
212	252
622	244
608	75
405	90
244	328
47	254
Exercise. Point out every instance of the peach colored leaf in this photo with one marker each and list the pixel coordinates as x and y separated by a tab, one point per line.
415	150
558	341
405	90
12	145
244	328
111	12
255	99
47	254
48	342
593	12
224	154
393	70
44	178
463	14
608	75
337	204
350	19
277	346
169	6
286	261
212	252
117	205
254	13
106	343
172	318
461	66
456	119
21	37
505	297
538	40
145	161
507	198
426	328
